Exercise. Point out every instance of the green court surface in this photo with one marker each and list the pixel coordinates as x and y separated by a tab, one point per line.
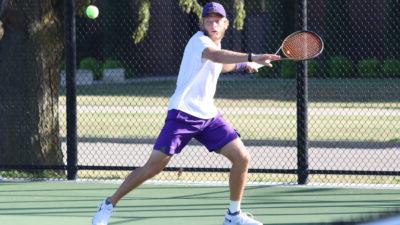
72	203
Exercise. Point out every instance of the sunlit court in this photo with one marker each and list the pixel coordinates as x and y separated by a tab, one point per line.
232	112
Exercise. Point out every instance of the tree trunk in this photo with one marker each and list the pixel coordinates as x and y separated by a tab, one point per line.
30	55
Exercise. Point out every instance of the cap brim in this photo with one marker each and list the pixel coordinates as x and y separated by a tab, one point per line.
218	13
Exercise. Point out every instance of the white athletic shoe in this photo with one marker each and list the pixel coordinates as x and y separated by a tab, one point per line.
240	218
103	213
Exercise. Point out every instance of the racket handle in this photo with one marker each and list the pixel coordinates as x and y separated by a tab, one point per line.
276	53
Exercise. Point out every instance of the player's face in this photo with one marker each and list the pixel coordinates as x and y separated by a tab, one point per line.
215	26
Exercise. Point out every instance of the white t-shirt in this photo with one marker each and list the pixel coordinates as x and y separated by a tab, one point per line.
197	80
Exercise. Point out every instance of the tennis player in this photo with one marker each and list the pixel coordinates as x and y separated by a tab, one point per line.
192	114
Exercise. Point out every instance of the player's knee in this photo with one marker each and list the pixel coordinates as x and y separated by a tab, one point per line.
244	157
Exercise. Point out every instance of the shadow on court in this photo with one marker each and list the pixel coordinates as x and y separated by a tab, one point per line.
75	203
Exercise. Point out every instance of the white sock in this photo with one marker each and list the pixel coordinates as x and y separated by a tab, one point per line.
234	206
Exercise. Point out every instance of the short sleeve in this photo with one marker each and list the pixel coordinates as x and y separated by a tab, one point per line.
201	42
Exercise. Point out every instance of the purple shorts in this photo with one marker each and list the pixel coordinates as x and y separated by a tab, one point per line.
181	127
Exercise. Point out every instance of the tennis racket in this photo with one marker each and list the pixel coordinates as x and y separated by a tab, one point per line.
298	46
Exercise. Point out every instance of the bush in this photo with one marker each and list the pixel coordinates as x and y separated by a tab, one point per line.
92	65
391	67
369	68
288	69
340	67
265	72
312	68
130	73
111	64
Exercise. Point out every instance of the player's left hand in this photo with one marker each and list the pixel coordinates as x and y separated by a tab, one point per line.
251	68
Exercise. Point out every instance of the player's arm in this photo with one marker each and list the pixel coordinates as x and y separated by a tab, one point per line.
229	67
239	67
224	56
230	57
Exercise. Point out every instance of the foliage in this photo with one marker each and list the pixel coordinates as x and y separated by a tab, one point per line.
130	73
288	69
391	67
369	68
267	72
263	72
111	64
240	14
33	174
340	66
81	6
312	68
188	6
144	20
93	65
191	6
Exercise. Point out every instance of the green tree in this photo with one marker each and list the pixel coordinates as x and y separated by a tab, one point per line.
31	50
144	20
188	6
192	6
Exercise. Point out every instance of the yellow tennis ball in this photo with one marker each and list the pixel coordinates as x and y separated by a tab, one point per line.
92	12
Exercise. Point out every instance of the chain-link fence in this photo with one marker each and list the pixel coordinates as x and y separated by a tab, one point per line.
353	92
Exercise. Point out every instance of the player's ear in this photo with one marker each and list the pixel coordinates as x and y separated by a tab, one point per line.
201	24
226	23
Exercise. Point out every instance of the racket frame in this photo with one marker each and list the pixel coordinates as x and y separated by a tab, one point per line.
295	33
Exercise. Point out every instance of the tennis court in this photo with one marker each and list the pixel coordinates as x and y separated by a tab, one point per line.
57	203
83	99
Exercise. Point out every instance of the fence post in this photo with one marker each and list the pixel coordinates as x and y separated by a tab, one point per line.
70	67
302	101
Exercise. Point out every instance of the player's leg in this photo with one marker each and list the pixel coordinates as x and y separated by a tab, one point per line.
155	164
220	137
178	130
236	152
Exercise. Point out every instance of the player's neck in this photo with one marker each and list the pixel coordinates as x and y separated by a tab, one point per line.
218	42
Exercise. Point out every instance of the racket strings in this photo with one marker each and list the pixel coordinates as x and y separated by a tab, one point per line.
302	46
